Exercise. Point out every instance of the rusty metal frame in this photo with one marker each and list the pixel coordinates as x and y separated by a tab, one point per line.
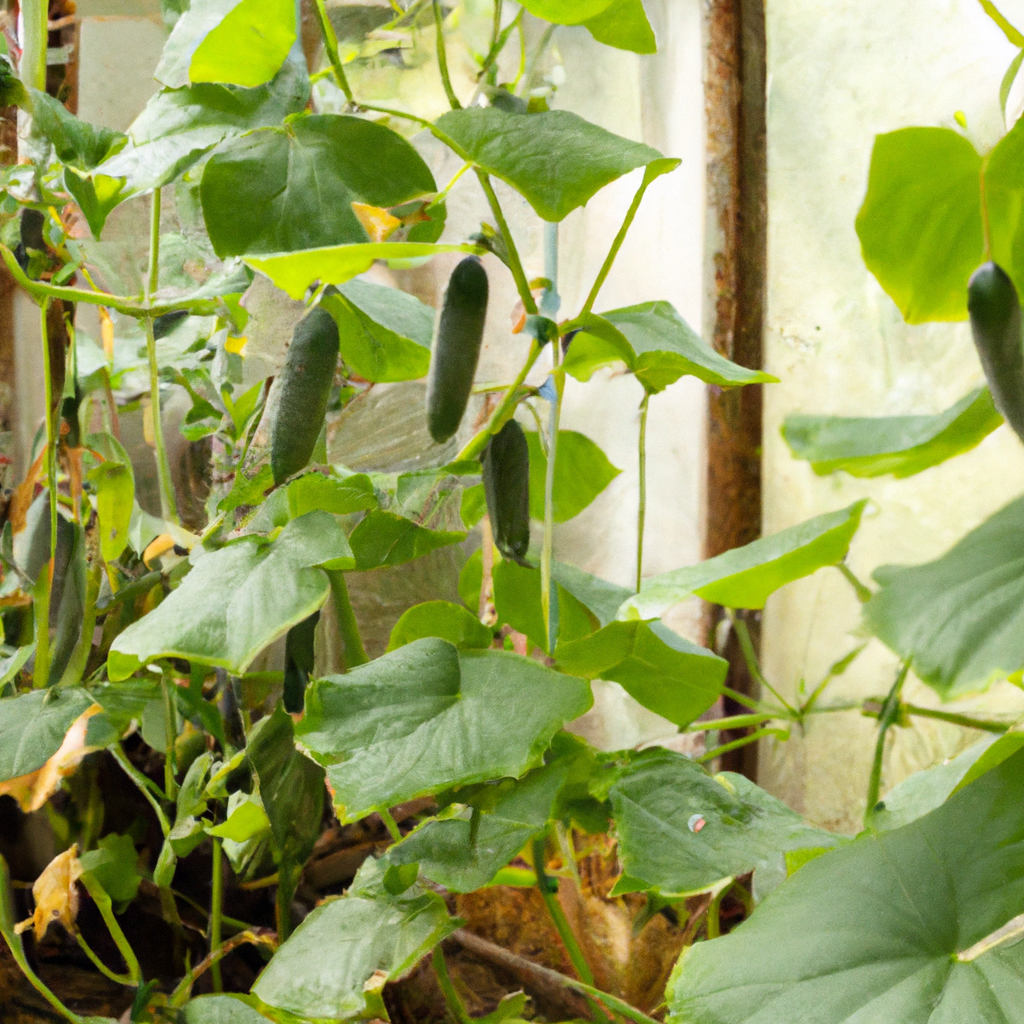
737	222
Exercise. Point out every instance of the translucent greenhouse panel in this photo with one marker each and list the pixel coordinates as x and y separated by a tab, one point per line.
840	347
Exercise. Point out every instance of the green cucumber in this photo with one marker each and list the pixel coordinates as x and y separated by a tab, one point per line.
304	388
999	337
506	475
456	350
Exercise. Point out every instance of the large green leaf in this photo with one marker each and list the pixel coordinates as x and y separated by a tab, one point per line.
900	926
382	538
248	46
657	345
959	620
582	472
385	334
310	493
658	668
294	272
178	126
462	855
236	42
335	964
624	25
567	12
868	446
602	598
920	227
555	160
745	577
237	600
292	188
427	717
680	830
33	726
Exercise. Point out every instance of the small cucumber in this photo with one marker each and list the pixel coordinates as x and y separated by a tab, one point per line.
999	337
304	389
456	351
506	475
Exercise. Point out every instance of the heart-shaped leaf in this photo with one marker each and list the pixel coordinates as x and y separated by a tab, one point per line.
624	25
292	188
450	622
427	717
916	925
745	577
33	727
582	472
237	600
680	829
555	160
958	620
869	446
567	12
382	538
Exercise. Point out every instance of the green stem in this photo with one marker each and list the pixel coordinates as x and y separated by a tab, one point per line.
526	80
216	911
744	700
744	741
714	921
41	675
146	786
985	725
32	69
80	659
38	290
118	979
331	46
455	1005
103	904
836	670
283	908
181	994
864	594
479	441
750	657
168	504
887	717
561	922
170	735
17	948
641	515
153	280
348	627
732	722
390	824
515	264
41	625
616	245
547	551
442	58
500	39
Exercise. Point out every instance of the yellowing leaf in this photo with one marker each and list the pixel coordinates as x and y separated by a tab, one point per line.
235	345
378	223
55	894
107	334
33	790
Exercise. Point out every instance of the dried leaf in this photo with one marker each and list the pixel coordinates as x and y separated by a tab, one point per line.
379	224
33	790
56	894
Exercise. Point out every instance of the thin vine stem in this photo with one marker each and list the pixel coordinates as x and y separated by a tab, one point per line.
390	824
743	741
864	594
451	997
641	514
331	46
170	721
168	502
515	264
547	551
967	721
886	719
442	58
41	672
216	910
750	656
105	907
143	784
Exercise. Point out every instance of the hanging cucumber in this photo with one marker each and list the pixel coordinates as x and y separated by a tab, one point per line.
456	351
304	389
999	336
506	465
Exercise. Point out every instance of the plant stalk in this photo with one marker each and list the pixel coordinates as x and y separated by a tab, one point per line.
145	785
348	627
168	503
547	551
516	265
864	594
390	824
216	911
153	279
451	997
41	673
170	730
331	46
743	741
105	907
442	58
641	515
750	657
968	722
888	716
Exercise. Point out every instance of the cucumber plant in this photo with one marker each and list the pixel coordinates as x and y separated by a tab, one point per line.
146	642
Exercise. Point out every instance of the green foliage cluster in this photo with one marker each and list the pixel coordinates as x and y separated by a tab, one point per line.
126	622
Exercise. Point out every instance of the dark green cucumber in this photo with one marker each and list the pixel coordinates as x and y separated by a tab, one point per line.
456	351
304	389
999	337
506	465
